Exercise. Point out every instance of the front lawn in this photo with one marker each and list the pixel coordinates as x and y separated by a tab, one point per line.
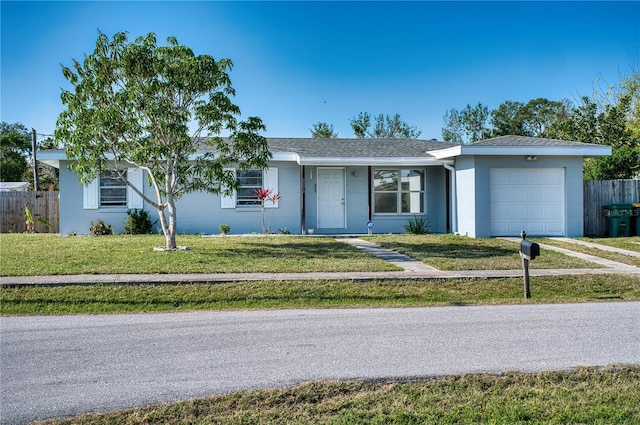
47	254
96	299
609	255
582	396
451	252
630	243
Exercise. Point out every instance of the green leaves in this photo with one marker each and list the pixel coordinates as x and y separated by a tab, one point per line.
385	126
133	104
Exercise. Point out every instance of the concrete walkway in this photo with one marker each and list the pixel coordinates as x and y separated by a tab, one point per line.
412	269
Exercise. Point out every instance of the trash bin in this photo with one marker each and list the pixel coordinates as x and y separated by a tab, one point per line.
618	219
635	220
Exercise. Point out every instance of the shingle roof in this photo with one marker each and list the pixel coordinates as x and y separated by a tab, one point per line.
356	148
527	141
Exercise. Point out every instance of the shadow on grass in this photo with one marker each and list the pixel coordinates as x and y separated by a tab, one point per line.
451	250
329	250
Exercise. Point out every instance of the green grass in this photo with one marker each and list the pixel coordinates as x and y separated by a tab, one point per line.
583	396
45	254
95	299
631	243
609	255
451	252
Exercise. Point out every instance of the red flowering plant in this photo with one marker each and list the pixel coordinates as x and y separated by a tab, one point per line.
264	196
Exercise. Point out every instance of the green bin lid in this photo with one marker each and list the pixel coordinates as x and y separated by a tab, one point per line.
619	206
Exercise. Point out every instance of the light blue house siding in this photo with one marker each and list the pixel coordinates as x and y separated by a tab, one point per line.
358	193
495	187
473	175
286	215
74	217
197	212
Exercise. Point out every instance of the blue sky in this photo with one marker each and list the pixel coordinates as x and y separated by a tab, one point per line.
297	63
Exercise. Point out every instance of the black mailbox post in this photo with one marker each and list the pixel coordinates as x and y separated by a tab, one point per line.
528	251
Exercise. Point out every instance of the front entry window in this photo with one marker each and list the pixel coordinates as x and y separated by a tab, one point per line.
398	191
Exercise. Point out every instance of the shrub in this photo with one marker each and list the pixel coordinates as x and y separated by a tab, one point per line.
224	229
31	226
284	231
100	228
417	226
138	223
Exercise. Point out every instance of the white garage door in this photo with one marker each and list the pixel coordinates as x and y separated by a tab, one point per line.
530	199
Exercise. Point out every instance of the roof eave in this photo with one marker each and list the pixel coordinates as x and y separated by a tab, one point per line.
587	150
51	157
365	161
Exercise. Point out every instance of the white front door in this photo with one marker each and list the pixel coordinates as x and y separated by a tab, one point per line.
331	202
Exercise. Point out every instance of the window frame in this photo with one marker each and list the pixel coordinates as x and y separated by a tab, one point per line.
253	200
398	191
115	177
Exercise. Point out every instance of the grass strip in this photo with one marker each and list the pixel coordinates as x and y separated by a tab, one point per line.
631	243
453	252
96	299
609	255
586	395
46	254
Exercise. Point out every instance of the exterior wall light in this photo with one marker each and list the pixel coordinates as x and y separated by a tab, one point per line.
354	173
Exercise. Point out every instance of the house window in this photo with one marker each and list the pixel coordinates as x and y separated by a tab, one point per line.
250	180
398	191
113	192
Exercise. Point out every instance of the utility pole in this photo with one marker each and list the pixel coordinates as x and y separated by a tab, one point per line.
34	148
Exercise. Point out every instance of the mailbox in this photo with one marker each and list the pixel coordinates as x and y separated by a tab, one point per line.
529	249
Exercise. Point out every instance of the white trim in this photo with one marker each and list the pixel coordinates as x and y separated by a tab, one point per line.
134	176
228	201
270	181
91	195
344	200
588	150
366	161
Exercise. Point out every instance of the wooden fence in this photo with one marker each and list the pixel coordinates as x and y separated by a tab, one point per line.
43	205
598	193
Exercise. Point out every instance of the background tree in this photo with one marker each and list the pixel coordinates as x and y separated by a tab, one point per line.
453	131
538	115
474	121
466	126
15	147
609	117
132	105
609	125
322	130
387	127
506	119
48	176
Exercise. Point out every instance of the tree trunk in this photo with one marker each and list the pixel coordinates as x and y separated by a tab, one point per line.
170	233
168	228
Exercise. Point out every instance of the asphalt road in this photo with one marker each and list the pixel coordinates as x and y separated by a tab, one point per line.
64	366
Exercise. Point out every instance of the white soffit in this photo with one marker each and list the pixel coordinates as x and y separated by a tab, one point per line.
320	161
587	150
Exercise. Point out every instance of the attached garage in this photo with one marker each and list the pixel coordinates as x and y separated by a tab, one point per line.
530	199
507	184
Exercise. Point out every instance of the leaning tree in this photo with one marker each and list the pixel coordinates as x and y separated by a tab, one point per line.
160	109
